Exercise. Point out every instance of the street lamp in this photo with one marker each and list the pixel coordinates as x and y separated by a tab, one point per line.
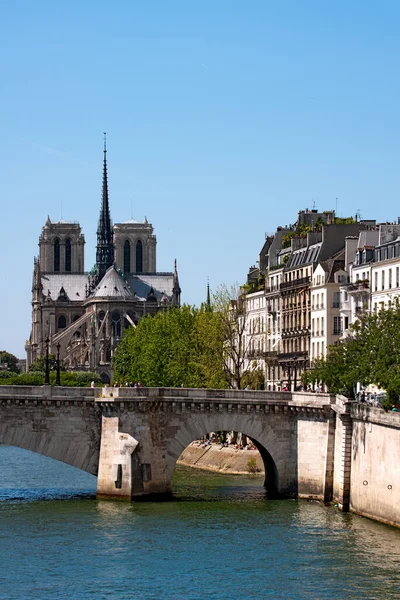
47	369
58	382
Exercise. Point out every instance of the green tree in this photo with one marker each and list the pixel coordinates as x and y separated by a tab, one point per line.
370	355
40	364
173	348
231	306
8	361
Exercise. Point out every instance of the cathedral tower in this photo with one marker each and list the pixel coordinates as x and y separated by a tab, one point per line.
61	247
135	247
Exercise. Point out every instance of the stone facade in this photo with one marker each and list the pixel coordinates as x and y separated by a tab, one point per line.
84	314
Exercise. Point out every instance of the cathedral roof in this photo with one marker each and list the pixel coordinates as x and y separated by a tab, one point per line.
112	285
141	284
74	286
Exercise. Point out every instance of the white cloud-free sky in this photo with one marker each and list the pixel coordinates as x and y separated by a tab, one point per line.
223	119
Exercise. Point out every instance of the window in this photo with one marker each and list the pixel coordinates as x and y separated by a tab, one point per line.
376	282
139	257
336	326
397	277
383	280
336	300
56	255
127	257
68	256
390	279
61	322
116	323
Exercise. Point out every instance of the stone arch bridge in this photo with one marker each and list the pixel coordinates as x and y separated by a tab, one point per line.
131	438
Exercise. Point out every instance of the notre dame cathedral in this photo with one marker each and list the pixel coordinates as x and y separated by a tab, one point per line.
84	314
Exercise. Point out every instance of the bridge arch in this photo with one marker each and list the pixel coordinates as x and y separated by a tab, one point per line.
66	428
271	477
279	458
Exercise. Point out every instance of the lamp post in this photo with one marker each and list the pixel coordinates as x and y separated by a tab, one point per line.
58	382
47	369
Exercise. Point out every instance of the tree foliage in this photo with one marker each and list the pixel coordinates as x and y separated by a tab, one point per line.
231	305
67	379
9	360
40	364
181	346
370	355
205	347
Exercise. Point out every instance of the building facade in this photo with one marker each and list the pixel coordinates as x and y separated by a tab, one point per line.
304	268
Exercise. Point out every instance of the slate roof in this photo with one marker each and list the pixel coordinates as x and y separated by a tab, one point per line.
160	282
112	286
74	285
305	255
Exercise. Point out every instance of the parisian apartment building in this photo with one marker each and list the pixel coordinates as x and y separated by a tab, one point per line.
312	281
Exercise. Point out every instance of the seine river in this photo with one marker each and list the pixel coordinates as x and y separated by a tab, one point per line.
219	539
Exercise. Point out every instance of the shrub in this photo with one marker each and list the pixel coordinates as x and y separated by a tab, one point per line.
252	465
6	374
24	379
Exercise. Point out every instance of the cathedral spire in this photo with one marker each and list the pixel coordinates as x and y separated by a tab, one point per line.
105	246
208	301
176	289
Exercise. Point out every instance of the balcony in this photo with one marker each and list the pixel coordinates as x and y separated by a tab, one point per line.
291	332
295	283
360	309
271	356
335	304
255	354
362	285
293	357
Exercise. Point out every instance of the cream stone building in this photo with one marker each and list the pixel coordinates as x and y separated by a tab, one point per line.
325	305
303	266
83	314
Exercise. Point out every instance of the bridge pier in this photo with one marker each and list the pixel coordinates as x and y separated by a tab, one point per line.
115	462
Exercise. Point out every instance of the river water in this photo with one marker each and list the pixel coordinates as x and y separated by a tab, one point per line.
220	538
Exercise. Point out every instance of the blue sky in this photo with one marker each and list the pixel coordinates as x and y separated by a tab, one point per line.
223	119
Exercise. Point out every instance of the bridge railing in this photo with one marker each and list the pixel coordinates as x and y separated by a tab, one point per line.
165	394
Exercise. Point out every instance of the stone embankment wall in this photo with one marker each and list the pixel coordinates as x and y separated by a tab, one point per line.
222	460
375	464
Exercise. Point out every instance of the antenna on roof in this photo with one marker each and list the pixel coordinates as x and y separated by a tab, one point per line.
336	207
313	204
